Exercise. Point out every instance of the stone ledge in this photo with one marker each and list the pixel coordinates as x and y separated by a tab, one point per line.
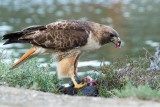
19	97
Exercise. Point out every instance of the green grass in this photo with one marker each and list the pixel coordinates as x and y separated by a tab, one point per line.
29	76
142	91
125	77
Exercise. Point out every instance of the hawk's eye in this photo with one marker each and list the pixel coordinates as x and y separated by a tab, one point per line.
111	35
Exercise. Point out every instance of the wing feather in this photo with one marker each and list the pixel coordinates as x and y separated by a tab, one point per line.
61	36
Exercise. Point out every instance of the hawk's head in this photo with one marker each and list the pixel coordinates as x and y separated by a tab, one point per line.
110	35
114	37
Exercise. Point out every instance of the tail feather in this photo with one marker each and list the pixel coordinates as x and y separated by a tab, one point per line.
14	37
24	58
34	28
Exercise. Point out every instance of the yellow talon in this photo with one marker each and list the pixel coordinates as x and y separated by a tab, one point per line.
76	85
80	85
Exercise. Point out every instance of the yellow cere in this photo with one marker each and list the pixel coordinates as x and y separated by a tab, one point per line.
118	39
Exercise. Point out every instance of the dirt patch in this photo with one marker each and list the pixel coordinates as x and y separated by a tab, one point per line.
14	97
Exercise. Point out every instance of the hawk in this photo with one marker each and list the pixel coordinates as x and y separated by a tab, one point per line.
67	40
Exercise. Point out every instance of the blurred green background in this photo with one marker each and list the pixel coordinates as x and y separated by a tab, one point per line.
137	22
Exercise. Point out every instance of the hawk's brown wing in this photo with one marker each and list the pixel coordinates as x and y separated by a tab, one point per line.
59	36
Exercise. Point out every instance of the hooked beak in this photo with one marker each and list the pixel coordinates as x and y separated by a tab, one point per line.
117	42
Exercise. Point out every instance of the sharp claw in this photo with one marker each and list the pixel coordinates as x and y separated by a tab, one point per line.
80	85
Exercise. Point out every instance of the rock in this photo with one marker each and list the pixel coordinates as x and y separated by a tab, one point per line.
14	97
153	65
155	61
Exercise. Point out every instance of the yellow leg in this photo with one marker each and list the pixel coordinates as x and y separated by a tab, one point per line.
75	65
67	66
75	73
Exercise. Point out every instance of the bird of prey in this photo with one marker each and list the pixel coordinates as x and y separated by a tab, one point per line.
67	40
